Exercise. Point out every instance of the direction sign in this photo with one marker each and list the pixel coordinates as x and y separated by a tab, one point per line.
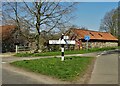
61	42
87	37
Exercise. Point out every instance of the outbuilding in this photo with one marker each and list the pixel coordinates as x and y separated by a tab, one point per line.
97	39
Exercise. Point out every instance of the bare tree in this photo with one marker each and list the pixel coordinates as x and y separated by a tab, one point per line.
38	15
12	15
109	23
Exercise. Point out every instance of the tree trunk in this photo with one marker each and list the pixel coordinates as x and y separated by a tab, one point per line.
37	44
119	41
119	29
38	28
119	35
118	26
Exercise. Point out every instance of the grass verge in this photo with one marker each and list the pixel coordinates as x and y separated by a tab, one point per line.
66	52
69	70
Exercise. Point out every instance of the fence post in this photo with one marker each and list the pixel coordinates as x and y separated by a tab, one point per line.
16	48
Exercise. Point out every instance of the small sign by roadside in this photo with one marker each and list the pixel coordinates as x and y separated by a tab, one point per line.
87	38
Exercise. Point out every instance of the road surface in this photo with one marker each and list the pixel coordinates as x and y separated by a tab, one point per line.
106	68
10	77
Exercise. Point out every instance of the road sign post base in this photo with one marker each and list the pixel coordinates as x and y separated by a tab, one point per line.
62	58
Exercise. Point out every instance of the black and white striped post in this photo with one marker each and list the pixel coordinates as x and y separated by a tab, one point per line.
62	41
62	48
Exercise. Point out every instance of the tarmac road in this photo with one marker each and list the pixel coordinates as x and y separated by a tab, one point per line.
10	59
106	68
10	77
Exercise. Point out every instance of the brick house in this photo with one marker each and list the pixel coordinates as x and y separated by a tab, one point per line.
97	39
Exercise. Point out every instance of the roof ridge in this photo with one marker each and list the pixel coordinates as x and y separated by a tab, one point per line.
88	30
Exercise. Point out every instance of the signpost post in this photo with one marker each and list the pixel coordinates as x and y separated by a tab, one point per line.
63	40
87	37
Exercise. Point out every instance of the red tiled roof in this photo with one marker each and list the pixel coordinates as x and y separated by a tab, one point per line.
94	34
6	31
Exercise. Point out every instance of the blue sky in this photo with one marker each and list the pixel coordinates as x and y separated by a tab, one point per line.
89	14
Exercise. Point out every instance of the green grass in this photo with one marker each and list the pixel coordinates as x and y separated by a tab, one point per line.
66	52
69	69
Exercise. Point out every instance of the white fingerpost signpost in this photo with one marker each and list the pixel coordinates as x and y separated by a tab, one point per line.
87	38
63	40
